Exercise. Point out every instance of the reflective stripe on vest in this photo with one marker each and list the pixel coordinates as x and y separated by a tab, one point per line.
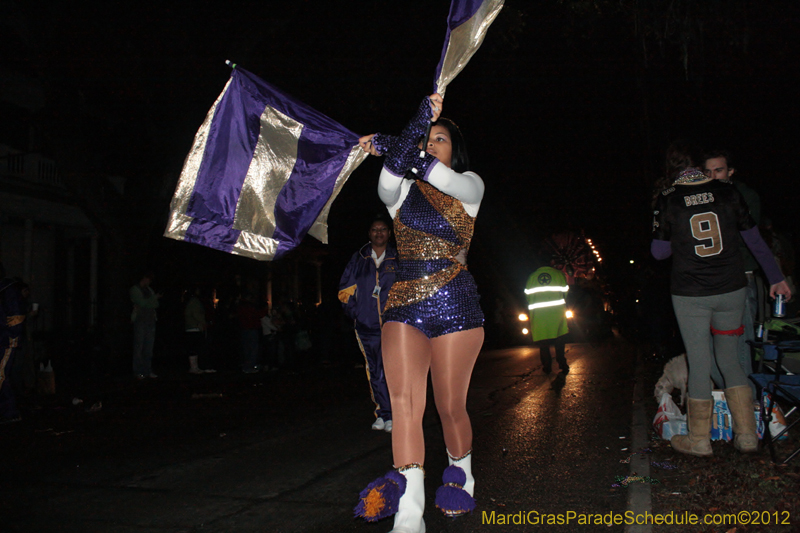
547	304
547	288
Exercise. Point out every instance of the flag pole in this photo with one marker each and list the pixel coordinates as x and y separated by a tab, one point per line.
424	149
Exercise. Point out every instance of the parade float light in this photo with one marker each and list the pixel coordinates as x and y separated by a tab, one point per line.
523	317
569	314
525	331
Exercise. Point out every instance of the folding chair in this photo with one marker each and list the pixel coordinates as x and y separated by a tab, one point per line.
773	378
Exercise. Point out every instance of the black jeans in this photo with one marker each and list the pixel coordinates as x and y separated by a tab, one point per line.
544	352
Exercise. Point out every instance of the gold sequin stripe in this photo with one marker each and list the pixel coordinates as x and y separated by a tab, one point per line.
369	377
452	210
458	458
410	466
416	290
418	245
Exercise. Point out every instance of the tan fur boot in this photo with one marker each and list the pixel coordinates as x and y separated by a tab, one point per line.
698	441
740	402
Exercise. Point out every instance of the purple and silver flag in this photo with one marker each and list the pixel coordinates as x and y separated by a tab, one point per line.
467	24
263	171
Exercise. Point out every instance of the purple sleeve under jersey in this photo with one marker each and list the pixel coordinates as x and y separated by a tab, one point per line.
660	249
763	255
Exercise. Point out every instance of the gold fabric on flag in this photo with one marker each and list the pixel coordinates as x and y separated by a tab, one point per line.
256	246
465	40
319	230
273	161
178	220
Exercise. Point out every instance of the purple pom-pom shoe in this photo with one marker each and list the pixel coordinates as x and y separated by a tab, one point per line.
381	497
451	497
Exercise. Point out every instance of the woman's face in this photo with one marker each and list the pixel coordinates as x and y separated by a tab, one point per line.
440	145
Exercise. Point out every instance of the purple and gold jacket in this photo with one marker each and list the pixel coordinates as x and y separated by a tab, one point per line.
357	286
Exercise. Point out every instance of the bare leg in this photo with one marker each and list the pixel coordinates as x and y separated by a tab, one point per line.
406	361
452	358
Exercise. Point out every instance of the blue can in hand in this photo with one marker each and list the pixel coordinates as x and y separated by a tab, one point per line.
779	307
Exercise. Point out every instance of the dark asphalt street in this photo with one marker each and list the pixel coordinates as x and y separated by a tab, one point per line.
289	453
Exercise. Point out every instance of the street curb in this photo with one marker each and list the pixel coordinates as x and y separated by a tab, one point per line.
639	497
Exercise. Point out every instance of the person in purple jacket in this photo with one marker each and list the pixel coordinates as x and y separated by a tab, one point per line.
363	289
698	221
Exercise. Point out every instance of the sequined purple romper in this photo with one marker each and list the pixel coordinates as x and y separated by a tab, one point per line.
433	291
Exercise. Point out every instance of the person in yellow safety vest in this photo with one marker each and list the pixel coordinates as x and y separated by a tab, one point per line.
547	307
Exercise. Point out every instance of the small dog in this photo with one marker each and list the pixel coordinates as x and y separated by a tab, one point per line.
675	376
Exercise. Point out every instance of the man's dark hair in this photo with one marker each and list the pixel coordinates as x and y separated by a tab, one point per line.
713	154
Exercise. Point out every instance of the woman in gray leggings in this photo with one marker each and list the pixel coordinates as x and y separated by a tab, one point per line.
698	221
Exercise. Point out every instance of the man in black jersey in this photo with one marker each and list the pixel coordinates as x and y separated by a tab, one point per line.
719	165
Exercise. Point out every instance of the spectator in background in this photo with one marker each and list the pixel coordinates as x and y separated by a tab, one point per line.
269	342
363	290
195	327
285	319
13	316
249	315
783	251
25	364
719	166
145	302
546	292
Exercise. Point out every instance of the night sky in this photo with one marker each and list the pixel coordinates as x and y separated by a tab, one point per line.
567	109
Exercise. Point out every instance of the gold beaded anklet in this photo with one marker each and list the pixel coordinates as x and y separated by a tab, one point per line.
409	467
458	458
